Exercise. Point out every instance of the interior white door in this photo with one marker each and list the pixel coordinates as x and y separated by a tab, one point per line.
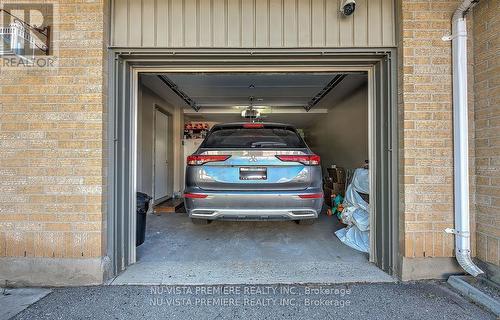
161	156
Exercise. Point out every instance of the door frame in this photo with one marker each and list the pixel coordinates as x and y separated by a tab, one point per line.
380	65
169	128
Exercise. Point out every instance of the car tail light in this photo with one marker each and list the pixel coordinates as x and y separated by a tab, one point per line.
195	195
253	125
198	160
308	160
311	196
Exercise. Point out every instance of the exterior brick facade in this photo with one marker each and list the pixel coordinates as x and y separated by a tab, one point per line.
427	128
486	29
51	162
53	142
427	141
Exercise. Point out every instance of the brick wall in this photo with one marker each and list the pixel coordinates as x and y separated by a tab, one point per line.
51	136
486	29
426	111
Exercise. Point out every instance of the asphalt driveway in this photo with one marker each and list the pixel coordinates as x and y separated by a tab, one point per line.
420	300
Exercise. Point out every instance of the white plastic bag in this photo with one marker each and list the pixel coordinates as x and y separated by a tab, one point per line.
352	198
361	180
346	215
359	183
355	214
361	219
354	238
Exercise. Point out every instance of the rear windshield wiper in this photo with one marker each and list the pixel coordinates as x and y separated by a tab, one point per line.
267	144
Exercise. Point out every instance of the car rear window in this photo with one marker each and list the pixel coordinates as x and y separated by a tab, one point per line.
258	138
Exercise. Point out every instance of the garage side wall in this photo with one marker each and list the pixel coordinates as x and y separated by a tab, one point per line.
148	100
341	142
52	173
251	24
486	121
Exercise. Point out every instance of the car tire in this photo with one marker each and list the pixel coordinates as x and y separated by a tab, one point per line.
200	221
306	221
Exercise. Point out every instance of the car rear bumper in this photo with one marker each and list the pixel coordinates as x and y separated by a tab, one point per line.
254	205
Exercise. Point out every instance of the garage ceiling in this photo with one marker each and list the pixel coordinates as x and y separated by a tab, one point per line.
235	89
286	93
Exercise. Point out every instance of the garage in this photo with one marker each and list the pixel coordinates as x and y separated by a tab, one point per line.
171	111
198	64
79	144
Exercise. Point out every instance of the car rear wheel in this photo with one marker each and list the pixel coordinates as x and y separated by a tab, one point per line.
200	221
306	221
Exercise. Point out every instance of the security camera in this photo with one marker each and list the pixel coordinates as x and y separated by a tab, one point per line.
347	7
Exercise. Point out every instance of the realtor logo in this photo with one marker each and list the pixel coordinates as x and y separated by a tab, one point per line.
26	34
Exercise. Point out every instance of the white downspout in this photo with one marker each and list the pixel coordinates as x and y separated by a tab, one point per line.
460	140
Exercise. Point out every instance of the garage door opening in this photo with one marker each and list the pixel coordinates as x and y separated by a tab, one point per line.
129	78
330	111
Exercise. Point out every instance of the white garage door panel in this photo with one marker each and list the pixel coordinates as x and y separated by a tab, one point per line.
251	23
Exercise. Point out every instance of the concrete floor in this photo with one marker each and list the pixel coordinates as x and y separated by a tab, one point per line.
225	252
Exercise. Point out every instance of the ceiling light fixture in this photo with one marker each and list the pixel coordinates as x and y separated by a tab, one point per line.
250	114
253	107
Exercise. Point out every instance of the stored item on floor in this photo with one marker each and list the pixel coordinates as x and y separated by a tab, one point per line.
354	238
169	206
361	219
337	174
338	188
332	189
346	215
359	185
334	183
355	213
328	193
366	165
142	203
353	198
361	181
337	206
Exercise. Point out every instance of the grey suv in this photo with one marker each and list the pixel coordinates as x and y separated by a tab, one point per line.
253	171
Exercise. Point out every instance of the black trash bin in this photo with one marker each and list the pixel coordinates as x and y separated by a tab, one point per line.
142	208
